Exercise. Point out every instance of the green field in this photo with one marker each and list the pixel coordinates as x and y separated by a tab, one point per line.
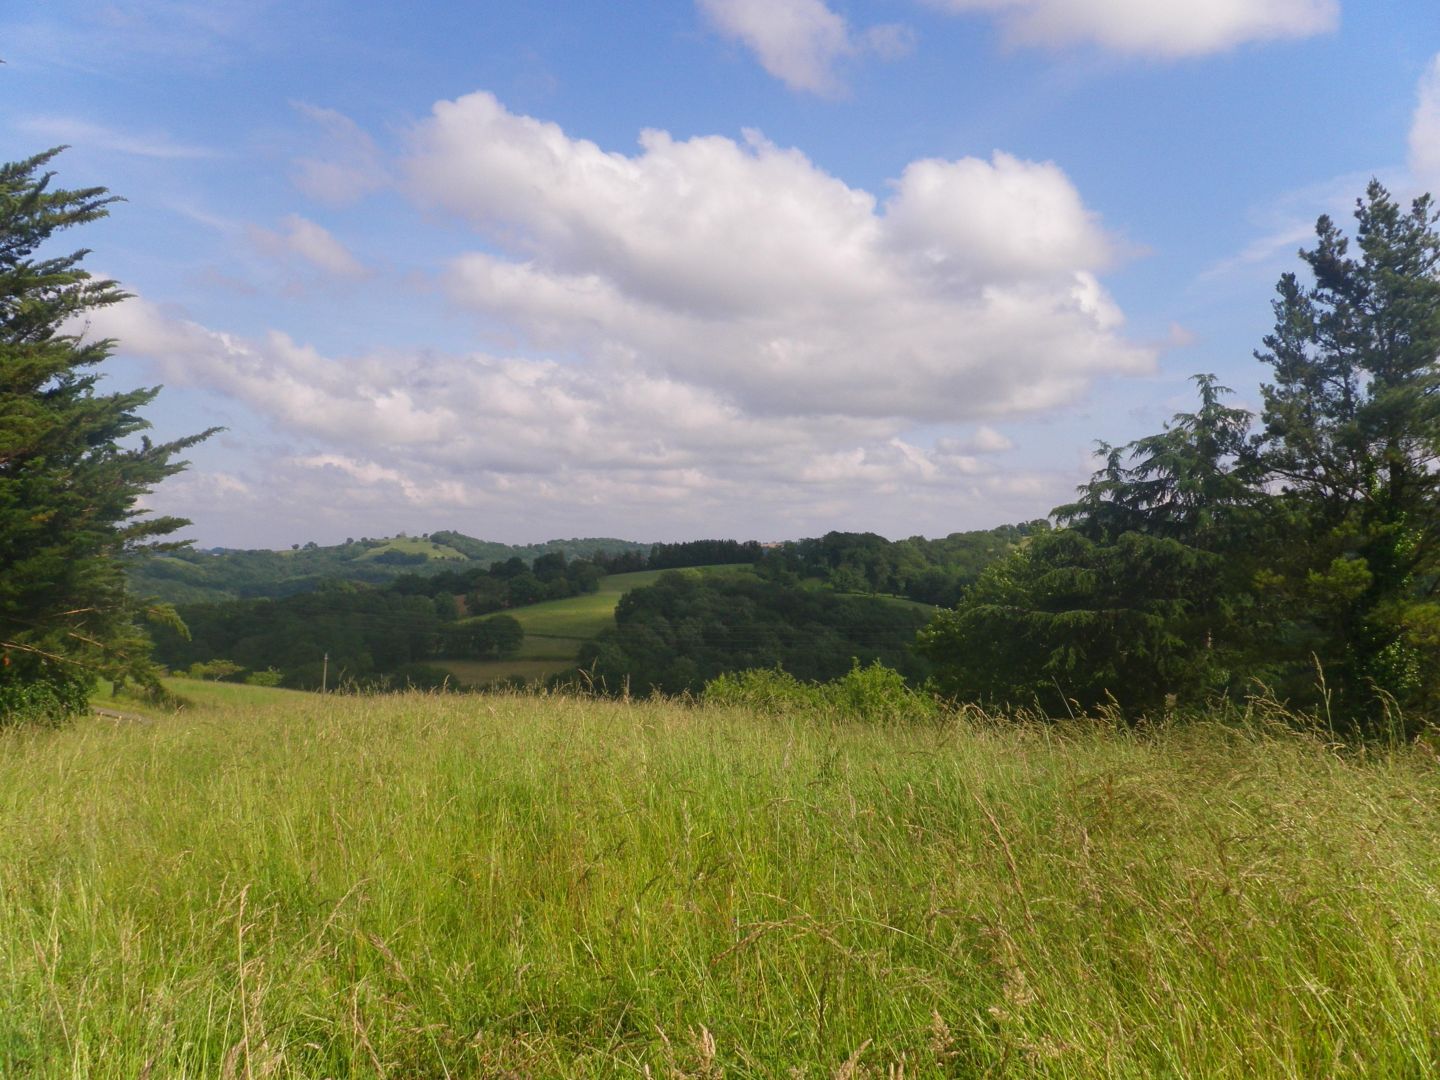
418	886
414	545
556	629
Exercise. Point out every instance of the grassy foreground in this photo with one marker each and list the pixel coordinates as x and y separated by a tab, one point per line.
526	886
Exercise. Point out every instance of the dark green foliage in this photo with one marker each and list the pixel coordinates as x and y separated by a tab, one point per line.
507	584
687	629
873	694
401	558
930	571
702	553
373	636
1144	598
1066	618
495	638
1194	482
55	697
1352	443
366	632
1304	558
71	469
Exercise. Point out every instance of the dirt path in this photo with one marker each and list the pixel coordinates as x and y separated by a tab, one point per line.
113	714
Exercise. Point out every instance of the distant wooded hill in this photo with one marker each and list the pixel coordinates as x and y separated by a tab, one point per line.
193	577
435	608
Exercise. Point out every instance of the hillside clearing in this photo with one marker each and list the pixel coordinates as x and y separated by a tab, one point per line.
556	629
551	886
414	545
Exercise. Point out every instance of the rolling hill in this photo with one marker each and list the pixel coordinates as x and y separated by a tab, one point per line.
207	576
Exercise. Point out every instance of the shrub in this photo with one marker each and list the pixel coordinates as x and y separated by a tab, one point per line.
768	691
877	693
216	670
874	693
44	701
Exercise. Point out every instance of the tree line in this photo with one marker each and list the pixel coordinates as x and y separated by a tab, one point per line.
686	629
507	584
929	571
340	634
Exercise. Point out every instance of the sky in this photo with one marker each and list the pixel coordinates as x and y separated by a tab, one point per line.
695	268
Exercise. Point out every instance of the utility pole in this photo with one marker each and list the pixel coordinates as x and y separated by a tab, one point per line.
324	673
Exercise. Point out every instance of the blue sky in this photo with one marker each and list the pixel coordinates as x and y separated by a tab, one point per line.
752	268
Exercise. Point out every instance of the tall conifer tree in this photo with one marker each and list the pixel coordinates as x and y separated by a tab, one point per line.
1352	446
72	464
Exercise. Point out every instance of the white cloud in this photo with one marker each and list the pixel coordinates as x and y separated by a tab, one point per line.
1425	131
744	269
311	242
1281	244
1167	28
1001	220
801	41
539	445
346	165
985	440
715	337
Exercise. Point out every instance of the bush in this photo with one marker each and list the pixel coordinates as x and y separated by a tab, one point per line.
877	693
44	701
216	670
874	693
768	691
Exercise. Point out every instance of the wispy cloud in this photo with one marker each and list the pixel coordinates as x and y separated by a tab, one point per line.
87	135
346	163
800	42
1164	28
1261	251
304	239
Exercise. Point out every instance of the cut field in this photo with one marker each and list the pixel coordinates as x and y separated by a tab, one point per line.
414	545
561	887
556	629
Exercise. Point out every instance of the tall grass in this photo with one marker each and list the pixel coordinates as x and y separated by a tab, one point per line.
544	886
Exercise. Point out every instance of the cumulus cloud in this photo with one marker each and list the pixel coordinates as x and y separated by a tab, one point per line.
463	438
705	335
801	41
1425	131
969	291
304	239
1155	27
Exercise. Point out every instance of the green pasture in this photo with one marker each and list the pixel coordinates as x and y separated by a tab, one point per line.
414	545
198	693
556	629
